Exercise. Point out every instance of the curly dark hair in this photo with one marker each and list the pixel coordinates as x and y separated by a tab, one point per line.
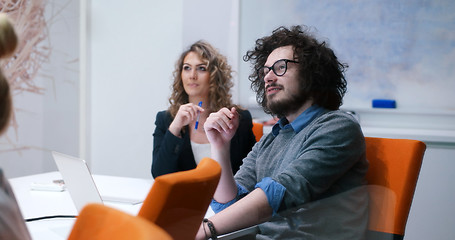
220	79
321	74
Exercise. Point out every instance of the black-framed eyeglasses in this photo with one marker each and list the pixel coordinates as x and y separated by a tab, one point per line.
279	68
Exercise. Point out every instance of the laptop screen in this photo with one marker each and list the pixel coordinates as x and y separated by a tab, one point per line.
78	180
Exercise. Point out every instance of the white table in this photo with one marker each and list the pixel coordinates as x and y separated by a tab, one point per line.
35	204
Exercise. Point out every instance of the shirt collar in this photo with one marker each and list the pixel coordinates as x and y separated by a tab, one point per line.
300	122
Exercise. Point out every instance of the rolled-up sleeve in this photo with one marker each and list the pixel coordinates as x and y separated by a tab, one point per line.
274	192
272	189
217	207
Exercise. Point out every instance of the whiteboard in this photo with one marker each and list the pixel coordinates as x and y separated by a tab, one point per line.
401	50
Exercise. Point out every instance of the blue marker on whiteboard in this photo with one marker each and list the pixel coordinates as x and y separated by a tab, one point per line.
384	103
198	114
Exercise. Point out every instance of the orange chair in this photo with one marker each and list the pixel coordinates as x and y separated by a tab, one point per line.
258	130
178	202
392	177
99	222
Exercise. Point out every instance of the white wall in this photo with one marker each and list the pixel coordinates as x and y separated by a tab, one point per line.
432	213
132	49
48	120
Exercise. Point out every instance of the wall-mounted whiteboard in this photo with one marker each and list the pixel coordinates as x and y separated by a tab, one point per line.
402	50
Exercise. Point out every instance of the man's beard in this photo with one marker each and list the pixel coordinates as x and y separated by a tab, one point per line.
285	106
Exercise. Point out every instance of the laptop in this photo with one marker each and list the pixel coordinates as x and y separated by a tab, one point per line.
80	184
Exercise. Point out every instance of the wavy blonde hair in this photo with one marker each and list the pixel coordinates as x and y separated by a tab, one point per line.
8	43
220	79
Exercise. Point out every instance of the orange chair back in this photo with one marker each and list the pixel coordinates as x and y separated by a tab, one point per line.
178	202
99	222
392	177
258	130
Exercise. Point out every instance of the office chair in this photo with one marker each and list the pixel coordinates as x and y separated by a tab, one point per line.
99	222
258	130
392	177
178	202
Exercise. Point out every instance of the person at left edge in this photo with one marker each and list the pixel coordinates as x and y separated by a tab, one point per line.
201	74
12	224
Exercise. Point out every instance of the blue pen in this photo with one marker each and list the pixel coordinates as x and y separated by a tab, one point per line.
198	114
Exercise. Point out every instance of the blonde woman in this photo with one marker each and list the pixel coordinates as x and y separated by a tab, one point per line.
202	84
12	225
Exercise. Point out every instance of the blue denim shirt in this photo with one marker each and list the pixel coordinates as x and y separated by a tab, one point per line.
272	189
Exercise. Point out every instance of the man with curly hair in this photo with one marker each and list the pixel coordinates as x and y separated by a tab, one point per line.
306	179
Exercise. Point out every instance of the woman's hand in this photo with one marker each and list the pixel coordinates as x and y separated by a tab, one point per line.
221	126
185	115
